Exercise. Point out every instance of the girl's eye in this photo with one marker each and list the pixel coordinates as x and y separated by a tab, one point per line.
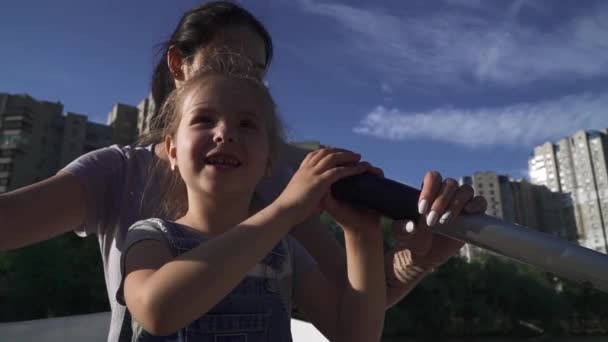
247	123
203	120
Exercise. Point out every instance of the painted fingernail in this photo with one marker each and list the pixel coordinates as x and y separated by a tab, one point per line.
445	217
431	218
422	206
409	227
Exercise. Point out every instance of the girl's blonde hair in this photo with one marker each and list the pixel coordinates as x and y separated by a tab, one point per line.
173	202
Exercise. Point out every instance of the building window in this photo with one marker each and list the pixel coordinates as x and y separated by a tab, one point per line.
3	181
7	153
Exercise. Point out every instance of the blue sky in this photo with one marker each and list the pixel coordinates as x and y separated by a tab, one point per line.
453	85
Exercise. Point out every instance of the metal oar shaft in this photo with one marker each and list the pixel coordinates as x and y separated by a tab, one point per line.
550	253
526	245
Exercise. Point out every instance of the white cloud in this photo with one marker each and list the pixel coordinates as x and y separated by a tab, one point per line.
453	47
523	124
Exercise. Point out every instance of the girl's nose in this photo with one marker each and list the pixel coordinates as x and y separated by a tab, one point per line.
225	134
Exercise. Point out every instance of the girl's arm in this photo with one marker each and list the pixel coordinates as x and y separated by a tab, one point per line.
362	306
354	312
165	294
41	211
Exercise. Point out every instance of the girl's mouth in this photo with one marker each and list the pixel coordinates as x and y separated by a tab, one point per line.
223	161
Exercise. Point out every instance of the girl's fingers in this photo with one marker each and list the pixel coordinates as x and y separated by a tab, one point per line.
338	158
442	202
335	174
310	156
323	153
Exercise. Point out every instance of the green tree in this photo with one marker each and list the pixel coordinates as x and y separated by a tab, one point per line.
58	277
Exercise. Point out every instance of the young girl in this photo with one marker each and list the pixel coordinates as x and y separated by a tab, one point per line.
222	271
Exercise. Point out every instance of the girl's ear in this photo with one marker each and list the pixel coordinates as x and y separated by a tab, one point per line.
171	151
175	61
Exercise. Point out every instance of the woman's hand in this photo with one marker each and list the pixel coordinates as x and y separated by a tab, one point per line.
440	202
312	181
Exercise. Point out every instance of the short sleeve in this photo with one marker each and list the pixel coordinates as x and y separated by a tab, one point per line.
151	229
302	261
99	173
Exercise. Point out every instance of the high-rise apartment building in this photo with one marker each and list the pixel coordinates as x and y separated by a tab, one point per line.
36	139
577	166
145	111
521	202
123	120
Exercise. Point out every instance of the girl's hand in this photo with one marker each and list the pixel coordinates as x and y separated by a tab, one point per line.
312	181
353	218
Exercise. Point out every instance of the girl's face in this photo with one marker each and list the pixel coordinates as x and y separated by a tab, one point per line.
221	144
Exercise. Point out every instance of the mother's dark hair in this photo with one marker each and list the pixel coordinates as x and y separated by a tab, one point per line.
197	28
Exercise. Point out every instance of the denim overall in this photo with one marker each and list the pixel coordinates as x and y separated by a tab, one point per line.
253	312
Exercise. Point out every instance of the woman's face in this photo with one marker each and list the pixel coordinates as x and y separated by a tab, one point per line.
241	41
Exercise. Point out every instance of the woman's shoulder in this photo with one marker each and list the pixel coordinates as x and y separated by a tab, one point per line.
111	158
131	154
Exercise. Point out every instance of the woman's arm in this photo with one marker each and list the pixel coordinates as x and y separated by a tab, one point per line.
68	200
41	211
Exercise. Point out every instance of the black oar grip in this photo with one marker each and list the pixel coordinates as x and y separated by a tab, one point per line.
391	198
